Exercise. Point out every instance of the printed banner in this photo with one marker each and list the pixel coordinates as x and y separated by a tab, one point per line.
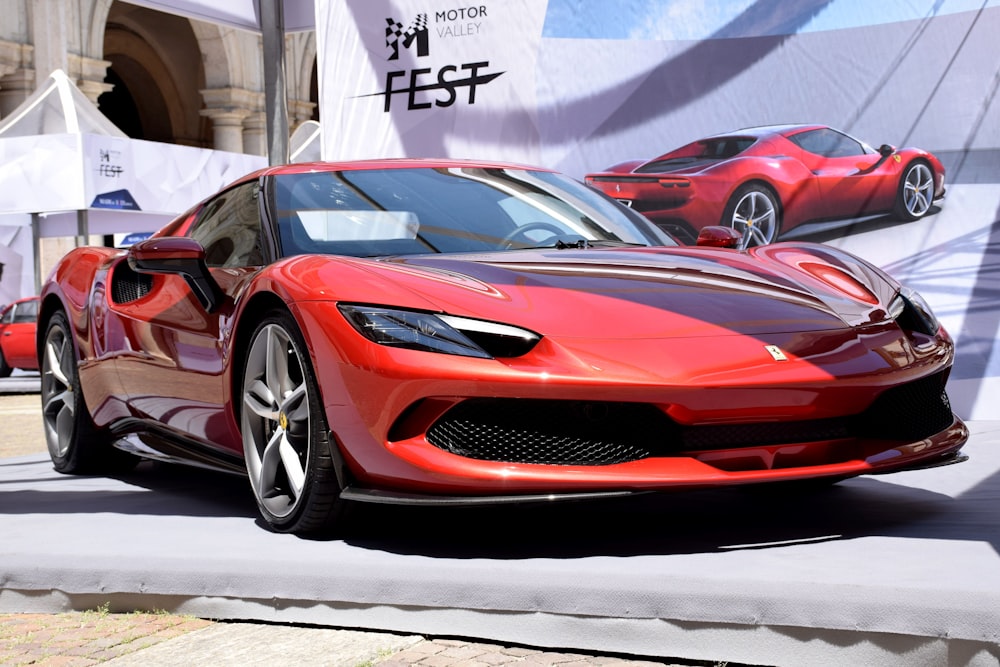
580	85
425	78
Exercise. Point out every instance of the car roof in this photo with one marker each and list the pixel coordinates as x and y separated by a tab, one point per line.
761	131
384	163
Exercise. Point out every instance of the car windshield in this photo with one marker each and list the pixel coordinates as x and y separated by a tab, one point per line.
404	211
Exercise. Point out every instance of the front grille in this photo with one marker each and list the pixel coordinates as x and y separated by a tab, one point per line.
554	432
604	433
911	411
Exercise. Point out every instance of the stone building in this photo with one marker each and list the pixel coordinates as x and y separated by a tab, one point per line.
157	76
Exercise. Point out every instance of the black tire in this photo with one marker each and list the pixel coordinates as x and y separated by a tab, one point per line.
290	456
75	445
755	212
5	370
915	193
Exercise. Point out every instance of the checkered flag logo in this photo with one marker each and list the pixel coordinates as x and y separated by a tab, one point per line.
417	32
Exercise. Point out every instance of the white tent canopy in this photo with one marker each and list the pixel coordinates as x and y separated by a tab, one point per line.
58	107
66	170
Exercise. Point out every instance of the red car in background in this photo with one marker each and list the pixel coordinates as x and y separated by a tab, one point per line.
764	181
17	336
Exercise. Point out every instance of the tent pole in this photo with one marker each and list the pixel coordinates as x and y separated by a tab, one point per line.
36	250
82	228
272	27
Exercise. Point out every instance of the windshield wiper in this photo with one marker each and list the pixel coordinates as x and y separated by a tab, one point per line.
564	245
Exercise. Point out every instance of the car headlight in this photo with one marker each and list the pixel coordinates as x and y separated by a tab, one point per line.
912	313
430	332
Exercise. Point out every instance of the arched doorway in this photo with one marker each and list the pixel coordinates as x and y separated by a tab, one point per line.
157	72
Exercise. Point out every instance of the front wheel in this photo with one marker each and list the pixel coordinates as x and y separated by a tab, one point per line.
754	212
75	445
5	369
916	192
286	443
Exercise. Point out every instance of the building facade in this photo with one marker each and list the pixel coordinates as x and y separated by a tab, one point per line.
157	76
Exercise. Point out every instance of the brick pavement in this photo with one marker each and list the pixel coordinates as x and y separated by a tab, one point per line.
81	639
85	638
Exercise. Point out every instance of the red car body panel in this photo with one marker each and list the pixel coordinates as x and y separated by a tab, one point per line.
683	331
683	199
17	335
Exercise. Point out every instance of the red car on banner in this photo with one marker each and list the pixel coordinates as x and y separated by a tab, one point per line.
461	332
767	180
17	336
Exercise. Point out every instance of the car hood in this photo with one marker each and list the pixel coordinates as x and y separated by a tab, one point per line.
648	292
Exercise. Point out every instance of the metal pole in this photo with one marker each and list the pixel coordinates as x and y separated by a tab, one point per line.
82	228
36	246
272	26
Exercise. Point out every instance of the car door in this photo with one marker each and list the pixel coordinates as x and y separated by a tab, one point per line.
174	365
849	175
17	334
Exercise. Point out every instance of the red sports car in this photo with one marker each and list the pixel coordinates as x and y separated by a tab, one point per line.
17	336
767	180
456	332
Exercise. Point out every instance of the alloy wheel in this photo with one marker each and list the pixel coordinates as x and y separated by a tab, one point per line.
276	421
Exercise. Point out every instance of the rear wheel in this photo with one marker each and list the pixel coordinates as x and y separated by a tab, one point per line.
75	445
753	210
916	192
286	442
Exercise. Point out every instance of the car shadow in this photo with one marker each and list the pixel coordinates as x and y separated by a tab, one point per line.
682	522
152	488
714	520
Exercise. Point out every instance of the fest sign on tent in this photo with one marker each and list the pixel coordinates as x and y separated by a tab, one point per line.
66	170
422	79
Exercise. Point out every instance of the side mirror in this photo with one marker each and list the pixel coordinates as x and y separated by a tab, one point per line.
885	150
717	236
178	255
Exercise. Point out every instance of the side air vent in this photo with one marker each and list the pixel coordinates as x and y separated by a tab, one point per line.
127	285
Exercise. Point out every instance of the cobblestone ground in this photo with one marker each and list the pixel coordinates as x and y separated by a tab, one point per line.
81	639
21	425
457	653
84	638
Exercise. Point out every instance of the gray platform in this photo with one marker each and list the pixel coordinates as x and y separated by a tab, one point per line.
898	569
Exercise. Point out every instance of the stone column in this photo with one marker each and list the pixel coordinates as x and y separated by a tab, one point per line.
300	111
89	74
255	134
17	81
50	36
14	89
227	128
228	108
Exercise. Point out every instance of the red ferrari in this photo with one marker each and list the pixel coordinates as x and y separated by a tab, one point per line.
17	336
767	180
455	332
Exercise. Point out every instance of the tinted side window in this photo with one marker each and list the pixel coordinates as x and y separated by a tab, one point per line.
828	143
26	312
228	227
